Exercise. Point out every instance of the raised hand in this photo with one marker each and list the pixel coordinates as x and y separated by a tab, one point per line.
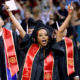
6	7
15	22
70	8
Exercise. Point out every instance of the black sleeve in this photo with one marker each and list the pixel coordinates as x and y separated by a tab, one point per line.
23	24
76	59
26	43
20	54
58	48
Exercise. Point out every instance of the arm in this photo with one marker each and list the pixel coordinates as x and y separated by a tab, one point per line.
60	16
19	6
65	24
21	9
15	22
17	25
51	4
75	23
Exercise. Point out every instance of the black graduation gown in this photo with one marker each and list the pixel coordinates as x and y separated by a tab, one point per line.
2	60
37	69
30	23
2	56
19	52
62	64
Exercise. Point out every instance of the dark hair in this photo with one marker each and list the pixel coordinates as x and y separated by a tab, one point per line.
39	26
50	38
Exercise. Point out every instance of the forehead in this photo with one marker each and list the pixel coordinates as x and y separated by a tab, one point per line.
42	31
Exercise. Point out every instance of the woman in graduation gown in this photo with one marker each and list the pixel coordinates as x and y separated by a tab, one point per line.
68	63
40	61
69	69
8	51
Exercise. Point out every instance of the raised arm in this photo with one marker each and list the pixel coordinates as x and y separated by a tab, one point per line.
75	23
65	23
16	23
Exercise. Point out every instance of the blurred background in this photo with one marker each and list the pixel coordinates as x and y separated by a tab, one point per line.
48	11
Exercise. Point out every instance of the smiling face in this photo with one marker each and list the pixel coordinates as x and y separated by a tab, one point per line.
42	37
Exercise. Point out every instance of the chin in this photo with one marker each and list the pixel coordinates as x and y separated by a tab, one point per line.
44	45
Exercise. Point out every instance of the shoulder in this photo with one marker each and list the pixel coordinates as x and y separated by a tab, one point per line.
59	46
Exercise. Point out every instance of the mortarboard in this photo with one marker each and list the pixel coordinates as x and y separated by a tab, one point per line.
40	25
70	31
3	13
56	25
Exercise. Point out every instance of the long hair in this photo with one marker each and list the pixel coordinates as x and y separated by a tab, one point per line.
39	26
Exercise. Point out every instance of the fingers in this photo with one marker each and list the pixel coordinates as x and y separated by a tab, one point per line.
6	7
70	8
71	3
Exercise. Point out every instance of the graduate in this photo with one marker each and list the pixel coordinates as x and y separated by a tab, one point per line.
40	61
9	53
68	64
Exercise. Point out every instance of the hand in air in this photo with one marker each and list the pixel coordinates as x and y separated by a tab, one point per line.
6	7
70	8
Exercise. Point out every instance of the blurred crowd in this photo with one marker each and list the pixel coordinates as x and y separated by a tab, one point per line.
49	12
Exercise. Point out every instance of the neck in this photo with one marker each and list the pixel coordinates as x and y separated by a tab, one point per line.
40	46
0	28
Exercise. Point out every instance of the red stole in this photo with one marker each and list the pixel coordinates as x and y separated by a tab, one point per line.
10	51
48	64
69	56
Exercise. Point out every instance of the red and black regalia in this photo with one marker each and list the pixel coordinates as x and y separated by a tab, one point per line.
37	66
8	57
9	53
68	63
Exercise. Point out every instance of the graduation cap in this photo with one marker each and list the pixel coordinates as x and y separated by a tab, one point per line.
3	15
70	31
40	25
56	25
31	27
31	23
